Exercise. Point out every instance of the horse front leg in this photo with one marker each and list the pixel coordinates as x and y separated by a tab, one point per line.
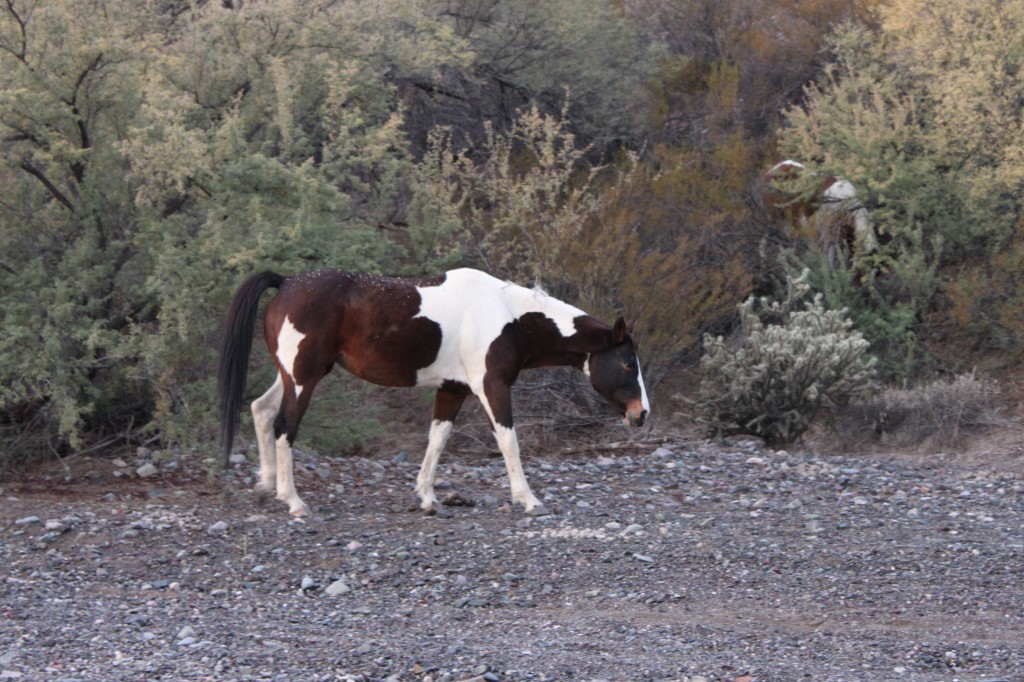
497	401
447	403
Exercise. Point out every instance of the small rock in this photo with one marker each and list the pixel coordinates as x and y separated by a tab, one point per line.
186	631
146	470
307	583
643	558
119	463
337	587
25	520
238	458
139	619
217	529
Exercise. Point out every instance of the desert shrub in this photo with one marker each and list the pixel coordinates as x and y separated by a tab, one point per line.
787	368
922	115
937	412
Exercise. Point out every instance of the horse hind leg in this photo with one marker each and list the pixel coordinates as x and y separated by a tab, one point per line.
285	479
310	371
264	411
286	428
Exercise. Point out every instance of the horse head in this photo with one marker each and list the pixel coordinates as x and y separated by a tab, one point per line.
615	375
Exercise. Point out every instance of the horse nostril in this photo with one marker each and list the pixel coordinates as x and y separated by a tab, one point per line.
639	419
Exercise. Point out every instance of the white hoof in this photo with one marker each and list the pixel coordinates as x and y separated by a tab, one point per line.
537	510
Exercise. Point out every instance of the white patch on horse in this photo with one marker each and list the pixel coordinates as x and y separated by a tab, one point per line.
509	446
264	411
439	432
643	390
288	340
472	308
840	190
787	163
285	478
842	196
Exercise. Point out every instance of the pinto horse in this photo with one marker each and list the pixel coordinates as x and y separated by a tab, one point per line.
464	332
832	211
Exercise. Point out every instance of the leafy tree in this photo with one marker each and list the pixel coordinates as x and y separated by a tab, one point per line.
287	152
924	116
69	265
532	53
155	153
772	48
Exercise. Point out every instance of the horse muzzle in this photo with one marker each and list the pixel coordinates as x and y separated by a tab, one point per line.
635	415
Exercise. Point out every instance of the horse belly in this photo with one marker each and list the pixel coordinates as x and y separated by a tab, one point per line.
393	355
439	373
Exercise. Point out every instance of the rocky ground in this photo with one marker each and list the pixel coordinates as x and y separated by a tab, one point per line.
673	562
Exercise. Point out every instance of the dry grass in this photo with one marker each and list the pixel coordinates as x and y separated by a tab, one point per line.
938	414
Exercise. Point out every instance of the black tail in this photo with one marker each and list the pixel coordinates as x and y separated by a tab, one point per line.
234	352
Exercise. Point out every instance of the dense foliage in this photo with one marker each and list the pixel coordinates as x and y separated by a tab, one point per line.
925	116
155	152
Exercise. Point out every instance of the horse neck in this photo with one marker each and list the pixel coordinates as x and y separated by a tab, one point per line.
523	301
557	350
579	333
592	336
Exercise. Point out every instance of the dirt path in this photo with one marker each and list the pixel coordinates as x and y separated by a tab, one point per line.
724	563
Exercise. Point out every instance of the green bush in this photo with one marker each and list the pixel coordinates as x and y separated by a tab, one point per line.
788	367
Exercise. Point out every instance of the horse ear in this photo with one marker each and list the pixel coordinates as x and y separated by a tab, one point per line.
619	331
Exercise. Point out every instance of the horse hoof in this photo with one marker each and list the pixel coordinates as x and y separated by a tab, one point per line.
538	510
300	513
436	509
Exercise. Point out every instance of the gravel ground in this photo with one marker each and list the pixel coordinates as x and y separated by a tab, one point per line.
697	562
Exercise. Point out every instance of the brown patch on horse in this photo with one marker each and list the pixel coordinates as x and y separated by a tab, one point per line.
365	323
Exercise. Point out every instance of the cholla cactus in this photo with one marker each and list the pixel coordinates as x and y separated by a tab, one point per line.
779	377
